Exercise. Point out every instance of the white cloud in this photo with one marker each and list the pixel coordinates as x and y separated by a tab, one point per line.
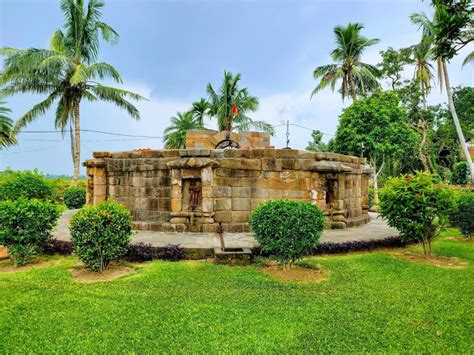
321	112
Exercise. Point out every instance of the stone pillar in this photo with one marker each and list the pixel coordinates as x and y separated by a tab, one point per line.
365	193
207	196
176	191
96	181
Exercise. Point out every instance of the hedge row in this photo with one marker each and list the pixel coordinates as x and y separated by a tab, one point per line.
139	252
146	252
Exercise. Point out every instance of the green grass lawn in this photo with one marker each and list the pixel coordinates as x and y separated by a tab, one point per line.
371	302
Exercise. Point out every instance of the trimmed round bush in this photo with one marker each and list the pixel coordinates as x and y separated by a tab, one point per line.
287	230
25	227
417	207
101	233
75	197
59	185
26	184
463	214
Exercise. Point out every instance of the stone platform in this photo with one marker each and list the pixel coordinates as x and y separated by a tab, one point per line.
204	243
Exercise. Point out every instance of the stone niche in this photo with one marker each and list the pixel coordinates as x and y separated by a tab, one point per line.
208	190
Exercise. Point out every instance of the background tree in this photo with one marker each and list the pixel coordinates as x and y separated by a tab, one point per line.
449	31
348	66
231	98
420	118
375	128
392	65
316	144
175	134
453	28
444	136
200	109
67	72
7	137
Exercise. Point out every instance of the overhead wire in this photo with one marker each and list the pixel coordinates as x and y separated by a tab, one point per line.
133	137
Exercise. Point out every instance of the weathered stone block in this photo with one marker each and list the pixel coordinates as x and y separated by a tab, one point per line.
222	191
195	153
240	216
223	216
241	191
207	205
234	227
255	202
241	204
271	164
290	164
210	228
258	192
222	204
287	153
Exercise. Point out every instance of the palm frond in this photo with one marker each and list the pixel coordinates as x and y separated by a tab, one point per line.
468	59
104	70
57	41
80	75
35	112
175	134
108	33
7	137
329	74
424	23
248	124
117	97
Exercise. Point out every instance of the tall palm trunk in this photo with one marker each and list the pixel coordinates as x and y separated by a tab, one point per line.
353	89
71	136
77	142
456	121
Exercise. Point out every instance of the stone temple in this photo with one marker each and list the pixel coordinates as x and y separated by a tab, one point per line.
204	189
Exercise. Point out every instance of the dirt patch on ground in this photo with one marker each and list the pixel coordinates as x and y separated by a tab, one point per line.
461	239
296	274
7	265
3	253
435	260
81	274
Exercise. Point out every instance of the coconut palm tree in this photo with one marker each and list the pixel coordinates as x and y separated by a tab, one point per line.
7	137
423	73
356	75
430	28
200	109
175	134
230	106
67	73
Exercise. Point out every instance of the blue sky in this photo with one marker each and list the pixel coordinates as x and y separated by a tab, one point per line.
169	50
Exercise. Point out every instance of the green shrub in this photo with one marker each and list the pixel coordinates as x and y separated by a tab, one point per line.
59	185
24	184
417	207
101	233
74	197
460	175
463	214
287	230
25	227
